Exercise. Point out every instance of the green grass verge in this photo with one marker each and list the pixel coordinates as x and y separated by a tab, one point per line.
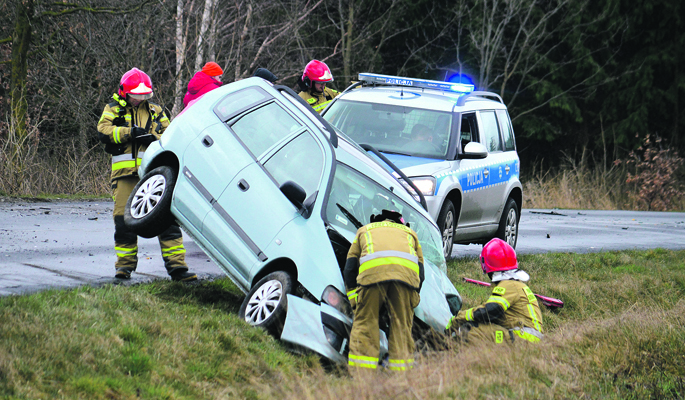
620	335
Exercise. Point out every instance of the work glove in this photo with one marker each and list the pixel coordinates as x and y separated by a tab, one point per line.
142	136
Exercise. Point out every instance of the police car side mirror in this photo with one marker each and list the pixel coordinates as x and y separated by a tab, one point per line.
474	151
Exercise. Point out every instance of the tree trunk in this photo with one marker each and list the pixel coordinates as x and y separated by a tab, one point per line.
204	25
347	50
20	49
180	59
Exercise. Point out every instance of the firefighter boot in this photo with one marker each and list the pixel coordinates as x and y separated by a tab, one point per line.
173	253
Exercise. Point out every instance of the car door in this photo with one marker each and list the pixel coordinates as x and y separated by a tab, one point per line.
494	177
252	204
213	159
472	175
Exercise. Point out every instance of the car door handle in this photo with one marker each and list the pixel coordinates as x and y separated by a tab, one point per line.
243	185
486	172
507	168
207	141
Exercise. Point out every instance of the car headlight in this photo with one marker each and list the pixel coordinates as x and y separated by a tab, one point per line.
426	184
337	300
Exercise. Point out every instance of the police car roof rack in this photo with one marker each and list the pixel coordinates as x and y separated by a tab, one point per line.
462	99
389	80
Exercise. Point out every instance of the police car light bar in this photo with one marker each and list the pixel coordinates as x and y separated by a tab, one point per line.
421	83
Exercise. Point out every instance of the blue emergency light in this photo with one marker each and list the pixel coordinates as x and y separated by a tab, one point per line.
420	83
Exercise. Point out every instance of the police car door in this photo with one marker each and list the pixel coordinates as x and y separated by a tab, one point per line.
494	176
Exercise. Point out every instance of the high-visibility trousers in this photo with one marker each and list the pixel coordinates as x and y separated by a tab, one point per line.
126	242
400	301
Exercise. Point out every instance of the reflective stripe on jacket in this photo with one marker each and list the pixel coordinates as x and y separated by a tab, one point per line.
319	101
115	126
521	310
387	251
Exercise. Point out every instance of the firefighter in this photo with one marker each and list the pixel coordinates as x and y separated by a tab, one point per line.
511	313
127	126
313	84
205	80
384	269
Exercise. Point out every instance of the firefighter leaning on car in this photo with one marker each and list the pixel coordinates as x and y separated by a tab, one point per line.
384	269
127	126
511	313
313	85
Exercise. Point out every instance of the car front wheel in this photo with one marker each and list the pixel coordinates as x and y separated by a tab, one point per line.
148	209
266	304
447	221
509	223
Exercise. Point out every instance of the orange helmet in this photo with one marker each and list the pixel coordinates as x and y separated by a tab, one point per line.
316	71
497	256
136	84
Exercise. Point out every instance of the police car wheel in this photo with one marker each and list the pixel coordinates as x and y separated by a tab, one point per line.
148	209
266	304
509	223
447	224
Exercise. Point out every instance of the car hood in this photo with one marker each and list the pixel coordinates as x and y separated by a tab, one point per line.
415	166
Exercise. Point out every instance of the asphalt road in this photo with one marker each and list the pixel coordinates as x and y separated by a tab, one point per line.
64	244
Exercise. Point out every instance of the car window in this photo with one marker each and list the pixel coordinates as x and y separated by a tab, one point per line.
300	161
354	198
507	132
262	128
490	131
239	101
392	128
469	129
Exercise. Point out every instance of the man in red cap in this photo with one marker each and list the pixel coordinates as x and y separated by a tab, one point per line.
209	78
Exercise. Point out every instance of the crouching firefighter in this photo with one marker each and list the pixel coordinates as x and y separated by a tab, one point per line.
127	126
511	313
384	268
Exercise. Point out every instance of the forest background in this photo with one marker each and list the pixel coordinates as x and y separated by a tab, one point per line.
593	87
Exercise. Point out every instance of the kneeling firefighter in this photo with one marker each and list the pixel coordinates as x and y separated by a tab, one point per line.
127	126
511	313
384	268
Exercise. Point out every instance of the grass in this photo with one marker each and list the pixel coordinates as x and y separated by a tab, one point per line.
620	335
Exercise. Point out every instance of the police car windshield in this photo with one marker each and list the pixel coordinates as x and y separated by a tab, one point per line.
354	197
392	128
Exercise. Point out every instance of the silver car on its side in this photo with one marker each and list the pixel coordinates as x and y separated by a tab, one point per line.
456	145
272	193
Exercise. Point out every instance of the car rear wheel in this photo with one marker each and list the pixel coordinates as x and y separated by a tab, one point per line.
148	209
447	223
266	304
509	223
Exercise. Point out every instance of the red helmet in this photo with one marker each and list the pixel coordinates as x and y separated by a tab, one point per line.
316	71
135	84
498	255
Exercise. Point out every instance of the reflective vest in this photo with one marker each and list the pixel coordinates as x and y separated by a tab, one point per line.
114	129
387	251
522	312
319	101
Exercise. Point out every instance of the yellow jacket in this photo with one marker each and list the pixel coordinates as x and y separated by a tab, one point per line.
319	101
384	251
114	130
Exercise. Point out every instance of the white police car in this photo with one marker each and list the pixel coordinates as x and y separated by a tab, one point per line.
455	144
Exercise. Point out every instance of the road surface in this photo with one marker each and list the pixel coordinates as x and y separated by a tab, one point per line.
64	244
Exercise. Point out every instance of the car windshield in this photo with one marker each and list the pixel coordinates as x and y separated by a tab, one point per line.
354	197
393	129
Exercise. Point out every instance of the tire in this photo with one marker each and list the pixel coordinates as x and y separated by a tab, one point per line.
266	304
447	223
509	223
148	209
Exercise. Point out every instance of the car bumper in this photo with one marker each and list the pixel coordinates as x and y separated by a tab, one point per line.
321	329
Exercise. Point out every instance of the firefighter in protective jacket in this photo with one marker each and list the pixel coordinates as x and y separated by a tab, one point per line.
313	84
384	269
511	313
127	126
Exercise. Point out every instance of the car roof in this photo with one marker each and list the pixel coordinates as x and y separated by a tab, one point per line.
428	99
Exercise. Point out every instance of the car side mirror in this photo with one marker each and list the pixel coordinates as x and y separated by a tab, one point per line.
474	151
295	193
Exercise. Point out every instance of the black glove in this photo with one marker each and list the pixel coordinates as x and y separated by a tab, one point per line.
142	136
